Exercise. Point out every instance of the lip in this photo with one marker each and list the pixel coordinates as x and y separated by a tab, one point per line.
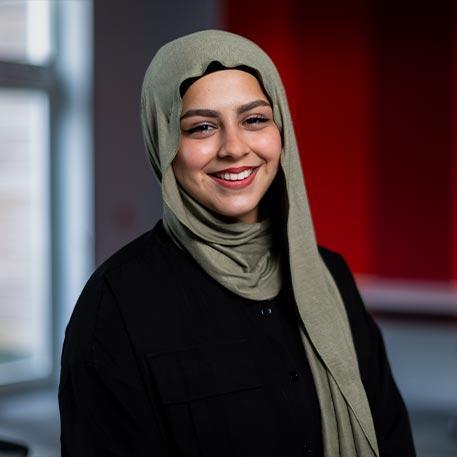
236	184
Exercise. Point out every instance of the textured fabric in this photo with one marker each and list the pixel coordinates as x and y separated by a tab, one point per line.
242	257
253	272
130	311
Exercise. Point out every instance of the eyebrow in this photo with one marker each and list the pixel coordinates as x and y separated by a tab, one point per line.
213	113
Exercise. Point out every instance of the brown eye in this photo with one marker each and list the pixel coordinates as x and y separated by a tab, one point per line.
200	130
256	120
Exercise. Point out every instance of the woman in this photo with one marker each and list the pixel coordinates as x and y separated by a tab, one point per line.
225	330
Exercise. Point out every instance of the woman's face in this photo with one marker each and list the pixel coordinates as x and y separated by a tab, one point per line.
230	146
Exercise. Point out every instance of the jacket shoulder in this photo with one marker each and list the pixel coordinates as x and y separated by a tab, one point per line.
341	273
329	256
346	284
148	250
123	266
133	250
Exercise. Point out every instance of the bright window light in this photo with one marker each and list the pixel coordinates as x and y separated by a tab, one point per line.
25	336
25	31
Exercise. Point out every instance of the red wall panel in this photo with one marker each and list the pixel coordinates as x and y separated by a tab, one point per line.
369	84
325	63
413	150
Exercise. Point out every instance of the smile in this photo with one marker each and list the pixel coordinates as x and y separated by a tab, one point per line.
235	180
235	176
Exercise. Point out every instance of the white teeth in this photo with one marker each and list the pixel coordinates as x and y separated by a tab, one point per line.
235	176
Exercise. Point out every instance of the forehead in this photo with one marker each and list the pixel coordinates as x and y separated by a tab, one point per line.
223	86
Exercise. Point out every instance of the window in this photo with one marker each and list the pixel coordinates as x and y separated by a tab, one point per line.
26	84
24	235
25	31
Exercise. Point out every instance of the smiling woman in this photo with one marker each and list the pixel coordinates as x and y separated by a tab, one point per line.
225	330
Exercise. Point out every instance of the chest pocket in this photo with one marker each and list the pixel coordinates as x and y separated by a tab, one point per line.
205	370
213	391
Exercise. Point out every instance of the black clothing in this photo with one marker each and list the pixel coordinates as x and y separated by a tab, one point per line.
161	360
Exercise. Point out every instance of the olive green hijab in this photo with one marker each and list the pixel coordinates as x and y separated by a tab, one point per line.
243	257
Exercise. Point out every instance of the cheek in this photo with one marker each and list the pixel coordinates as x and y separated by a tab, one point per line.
193	156
269	146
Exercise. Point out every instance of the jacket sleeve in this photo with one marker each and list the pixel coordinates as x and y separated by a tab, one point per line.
390	416
105	409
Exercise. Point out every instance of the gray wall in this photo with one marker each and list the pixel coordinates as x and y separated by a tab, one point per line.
126	36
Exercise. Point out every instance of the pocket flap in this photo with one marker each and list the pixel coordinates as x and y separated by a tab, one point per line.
205	370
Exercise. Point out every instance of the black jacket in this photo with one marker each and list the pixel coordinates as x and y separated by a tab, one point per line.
161	360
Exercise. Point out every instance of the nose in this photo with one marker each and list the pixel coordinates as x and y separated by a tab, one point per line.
233	143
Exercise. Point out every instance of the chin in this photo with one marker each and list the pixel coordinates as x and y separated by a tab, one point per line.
234	213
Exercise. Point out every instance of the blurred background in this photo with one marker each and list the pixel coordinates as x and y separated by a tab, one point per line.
372	89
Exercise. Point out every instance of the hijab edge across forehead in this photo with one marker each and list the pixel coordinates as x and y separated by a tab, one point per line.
177	62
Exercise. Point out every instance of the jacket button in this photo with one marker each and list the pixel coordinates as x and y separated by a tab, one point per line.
266	311
293	376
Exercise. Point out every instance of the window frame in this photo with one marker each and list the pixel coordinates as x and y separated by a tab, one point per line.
66	79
